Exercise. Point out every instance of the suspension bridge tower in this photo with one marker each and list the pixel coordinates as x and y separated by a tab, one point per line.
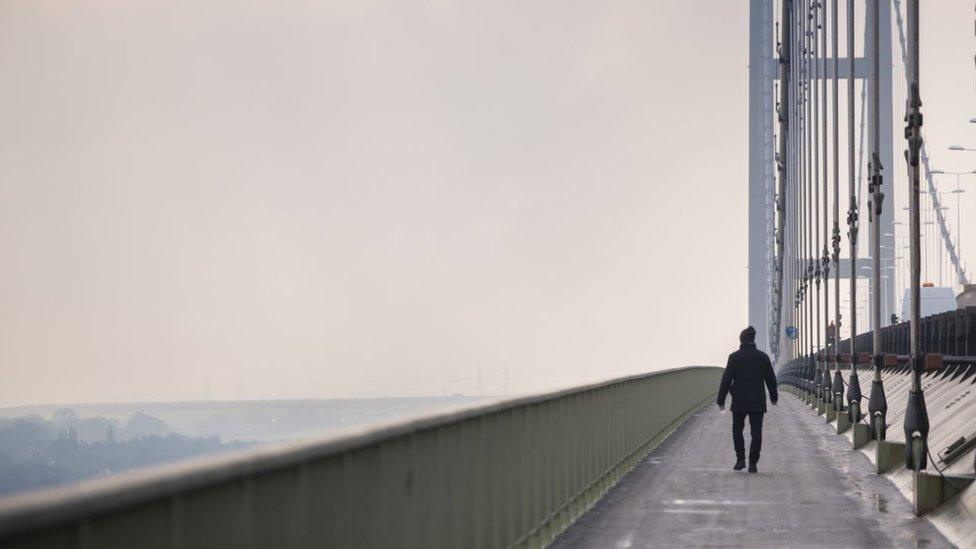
763	74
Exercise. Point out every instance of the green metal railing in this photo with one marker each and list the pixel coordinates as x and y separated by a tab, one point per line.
512	473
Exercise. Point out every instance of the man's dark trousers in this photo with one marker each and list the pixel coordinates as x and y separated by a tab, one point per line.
755	431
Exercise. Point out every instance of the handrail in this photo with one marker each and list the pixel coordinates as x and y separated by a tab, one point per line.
626	416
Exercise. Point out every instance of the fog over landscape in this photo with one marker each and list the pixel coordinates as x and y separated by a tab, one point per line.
251	200
359	198
45	446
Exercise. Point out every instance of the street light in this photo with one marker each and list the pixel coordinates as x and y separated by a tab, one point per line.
957	192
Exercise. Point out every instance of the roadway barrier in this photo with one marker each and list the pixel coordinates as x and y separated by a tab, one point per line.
511	473
945	490
952	333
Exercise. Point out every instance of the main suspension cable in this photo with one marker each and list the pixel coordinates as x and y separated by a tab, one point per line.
933	193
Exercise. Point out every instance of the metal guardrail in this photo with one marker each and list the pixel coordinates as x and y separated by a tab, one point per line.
952	333
799	372
512	473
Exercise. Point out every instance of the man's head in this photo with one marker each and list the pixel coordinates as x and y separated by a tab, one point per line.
748	335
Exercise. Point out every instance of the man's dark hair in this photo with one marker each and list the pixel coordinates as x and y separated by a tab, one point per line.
748	335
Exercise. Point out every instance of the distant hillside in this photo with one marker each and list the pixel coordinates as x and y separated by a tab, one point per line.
37	453
88	440
257	420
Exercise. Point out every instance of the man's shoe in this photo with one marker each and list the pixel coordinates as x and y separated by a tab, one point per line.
740	464
752	468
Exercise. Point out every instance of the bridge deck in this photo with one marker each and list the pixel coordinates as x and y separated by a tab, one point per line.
811	490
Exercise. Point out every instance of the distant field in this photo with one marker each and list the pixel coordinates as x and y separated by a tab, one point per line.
261	420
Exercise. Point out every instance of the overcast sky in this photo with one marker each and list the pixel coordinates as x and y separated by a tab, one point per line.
323	198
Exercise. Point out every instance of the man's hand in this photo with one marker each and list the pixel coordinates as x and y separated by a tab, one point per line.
721	407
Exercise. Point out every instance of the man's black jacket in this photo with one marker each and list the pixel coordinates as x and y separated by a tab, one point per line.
747	370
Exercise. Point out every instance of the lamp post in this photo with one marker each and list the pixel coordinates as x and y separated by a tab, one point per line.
958	191
925	261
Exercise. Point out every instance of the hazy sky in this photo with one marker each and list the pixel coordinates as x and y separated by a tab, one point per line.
324	198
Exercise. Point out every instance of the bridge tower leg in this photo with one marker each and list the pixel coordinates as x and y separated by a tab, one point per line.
761	162
763	70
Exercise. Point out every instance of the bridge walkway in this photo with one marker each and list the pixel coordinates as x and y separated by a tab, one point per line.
811	490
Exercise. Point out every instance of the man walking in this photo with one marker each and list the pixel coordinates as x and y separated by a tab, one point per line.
746	372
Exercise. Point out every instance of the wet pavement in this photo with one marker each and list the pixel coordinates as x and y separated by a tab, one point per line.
812	490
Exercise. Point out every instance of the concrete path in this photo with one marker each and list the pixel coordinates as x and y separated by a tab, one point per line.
811	491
